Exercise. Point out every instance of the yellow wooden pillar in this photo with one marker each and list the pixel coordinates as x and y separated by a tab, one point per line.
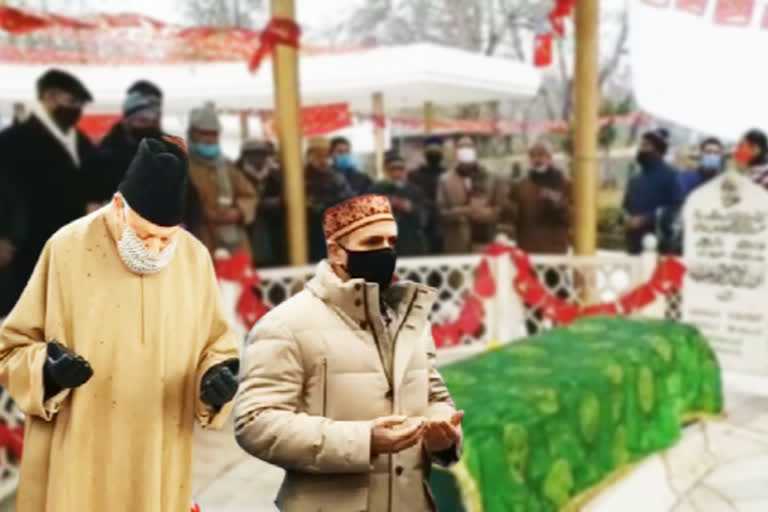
587	100
287	114
380	133
429	117
244	128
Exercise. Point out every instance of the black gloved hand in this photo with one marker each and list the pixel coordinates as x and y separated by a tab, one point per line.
219	383
63	369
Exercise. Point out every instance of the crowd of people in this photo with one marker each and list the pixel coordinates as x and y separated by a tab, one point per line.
51	173
656	194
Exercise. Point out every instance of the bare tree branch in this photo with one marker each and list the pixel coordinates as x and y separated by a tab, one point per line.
618	51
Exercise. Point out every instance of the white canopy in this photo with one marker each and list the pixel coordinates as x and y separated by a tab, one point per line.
406	75
701	69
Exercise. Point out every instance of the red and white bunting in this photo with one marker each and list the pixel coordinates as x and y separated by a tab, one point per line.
697	7
734	13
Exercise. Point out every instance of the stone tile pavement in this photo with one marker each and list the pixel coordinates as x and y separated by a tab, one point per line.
718	467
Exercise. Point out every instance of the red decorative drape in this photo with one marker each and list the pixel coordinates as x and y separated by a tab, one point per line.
279	31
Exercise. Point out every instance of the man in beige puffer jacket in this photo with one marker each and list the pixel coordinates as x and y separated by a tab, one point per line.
340	387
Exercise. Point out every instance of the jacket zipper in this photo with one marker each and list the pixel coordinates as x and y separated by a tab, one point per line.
325	387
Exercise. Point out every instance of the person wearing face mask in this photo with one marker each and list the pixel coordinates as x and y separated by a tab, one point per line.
267	232
49	162
469	202
323	188
407	204
426	178
227	200
142	117
119	342
541	205
711	163
653	195
344	164
752	153
340	386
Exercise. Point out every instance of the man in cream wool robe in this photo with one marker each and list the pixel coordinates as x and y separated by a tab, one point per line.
340	386
117	344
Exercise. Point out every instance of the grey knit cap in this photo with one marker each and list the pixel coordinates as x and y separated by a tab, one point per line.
137	103
205	118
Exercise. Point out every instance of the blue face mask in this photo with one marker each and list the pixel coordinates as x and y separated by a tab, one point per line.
710	161
344	162
207	151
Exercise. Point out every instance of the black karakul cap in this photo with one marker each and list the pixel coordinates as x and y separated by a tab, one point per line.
155	183
58	79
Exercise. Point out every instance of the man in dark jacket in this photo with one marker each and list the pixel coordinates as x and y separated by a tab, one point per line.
267	233
47	159
710	165
13	230
344	164
653	195
408	206
324	188
142	113
426	179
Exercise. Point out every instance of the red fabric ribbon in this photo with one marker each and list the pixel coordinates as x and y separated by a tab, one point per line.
12	439
195	507
542	50
666	278
16	21
484	286
250	308
278	31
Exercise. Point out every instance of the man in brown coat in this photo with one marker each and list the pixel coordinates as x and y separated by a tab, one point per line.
226	198
469	202
340	386
541	206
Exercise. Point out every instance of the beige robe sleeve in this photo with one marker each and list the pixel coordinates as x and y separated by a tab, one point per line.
23	340
220	346
268	424
441	405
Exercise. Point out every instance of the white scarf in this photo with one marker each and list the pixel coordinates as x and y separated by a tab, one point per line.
136	256
68	140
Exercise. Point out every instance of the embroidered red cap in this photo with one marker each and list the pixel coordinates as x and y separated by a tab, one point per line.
353	214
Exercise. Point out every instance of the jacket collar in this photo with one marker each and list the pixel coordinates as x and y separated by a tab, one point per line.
68	139
358	300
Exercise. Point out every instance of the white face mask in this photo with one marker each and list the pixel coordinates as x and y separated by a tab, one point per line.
466	155
138	259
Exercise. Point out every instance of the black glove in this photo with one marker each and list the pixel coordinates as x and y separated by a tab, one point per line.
219	383
63	369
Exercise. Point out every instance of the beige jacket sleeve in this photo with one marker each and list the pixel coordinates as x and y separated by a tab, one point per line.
447	210
268	423
246	199
220	346
23	343
441	405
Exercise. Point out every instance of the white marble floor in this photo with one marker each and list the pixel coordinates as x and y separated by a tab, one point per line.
718	467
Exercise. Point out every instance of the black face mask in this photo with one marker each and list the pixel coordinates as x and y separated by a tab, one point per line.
645	158
434	159
372	266
146	133
66	117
